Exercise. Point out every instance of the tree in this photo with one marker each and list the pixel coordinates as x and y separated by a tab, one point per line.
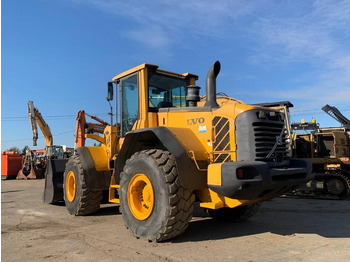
24	150
14	148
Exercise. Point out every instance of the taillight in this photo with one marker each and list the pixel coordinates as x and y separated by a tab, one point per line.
239	173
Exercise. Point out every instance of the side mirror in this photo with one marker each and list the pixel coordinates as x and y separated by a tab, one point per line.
110	91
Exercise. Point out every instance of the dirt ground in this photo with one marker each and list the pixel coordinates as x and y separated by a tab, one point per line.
285	229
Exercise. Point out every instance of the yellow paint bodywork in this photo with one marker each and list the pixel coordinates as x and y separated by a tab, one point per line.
212	200
100	158
193	130
230	108
214	174
102	155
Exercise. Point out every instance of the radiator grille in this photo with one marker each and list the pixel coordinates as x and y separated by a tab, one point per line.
221	127
261	136
266	136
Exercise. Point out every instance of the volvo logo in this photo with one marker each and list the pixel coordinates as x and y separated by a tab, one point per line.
195	121
279	140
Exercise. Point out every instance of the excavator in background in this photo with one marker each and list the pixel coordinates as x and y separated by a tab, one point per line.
35	168
28	169
170	149
329	149
51	151
337	115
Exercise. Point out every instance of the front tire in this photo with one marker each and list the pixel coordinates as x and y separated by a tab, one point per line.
153	203
79	200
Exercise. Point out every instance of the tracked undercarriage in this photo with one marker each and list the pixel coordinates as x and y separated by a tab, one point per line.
334	184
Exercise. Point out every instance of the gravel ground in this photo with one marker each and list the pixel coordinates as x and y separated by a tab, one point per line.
285	229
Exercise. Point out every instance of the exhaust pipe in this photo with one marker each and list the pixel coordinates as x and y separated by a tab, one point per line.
211	85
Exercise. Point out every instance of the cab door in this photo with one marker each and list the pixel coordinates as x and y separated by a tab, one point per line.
129	102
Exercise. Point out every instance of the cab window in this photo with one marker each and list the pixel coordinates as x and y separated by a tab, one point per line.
129	102
166	91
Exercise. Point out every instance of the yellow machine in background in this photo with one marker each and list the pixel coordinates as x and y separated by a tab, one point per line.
34	167
169	149
329	150
35	117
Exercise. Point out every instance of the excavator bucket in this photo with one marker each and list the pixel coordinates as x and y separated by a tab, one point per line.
53	191
20	175
30	175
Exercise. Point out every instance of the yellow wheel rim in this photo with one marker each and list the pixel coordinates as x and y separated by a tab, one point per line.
140	196
70	186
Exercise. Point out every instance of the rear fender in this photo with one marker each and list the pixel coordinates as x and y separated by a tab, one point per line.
166	139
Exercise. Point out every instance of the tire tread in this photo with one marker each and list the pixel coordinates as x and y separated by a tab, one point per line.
89	200
180	200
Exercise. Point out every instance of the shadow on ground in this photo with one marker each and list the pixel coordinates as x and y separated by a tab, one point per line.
283	217
277	219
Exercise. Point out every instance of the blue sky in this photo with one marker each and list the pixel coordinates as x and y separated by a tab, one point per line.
60	54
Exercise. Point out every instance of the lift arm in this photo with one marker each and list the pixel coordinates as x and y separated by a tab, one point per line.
83	128
337	115
36	117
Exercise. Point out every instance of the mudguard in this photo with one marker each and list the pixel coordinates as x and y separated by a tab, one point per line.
166	139
53	191
94	161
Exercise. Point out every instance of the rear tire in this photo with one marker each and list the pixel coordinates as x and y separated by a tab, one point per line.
79	200
153	203
237	214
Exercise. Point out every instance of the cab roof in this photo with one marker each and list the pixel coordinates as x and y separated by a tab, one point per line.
154	67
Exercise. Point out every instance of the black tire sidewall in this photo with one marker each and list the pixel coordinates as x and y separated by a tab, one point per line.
73	206
142	163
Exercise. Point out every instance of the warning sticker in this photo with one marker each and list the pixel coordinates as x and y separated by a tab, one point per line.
203	129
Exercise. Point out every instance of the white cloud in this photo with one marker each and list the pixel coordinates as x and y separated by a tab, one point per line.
153	37
316	33
175	19
318	37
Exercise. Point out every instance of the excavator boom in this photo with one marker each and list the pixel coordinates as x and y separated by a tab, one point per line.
337	115
36	117
31	115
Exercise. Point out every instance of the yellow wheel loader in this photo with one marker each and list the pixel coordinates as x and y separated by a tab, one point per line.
170	148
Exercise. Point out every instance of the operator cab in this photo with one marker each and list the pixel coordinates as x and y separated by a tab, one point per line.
54	152
144	90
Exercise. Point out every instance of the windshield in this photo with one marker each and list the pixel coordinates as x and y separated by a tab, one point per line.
304	128
56	151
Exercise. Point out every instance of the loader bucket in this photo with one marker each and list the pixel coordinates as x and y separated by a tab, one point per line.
53	191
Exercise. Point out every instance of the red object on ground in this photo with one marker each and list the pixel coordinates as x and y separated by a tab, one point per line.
11	163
